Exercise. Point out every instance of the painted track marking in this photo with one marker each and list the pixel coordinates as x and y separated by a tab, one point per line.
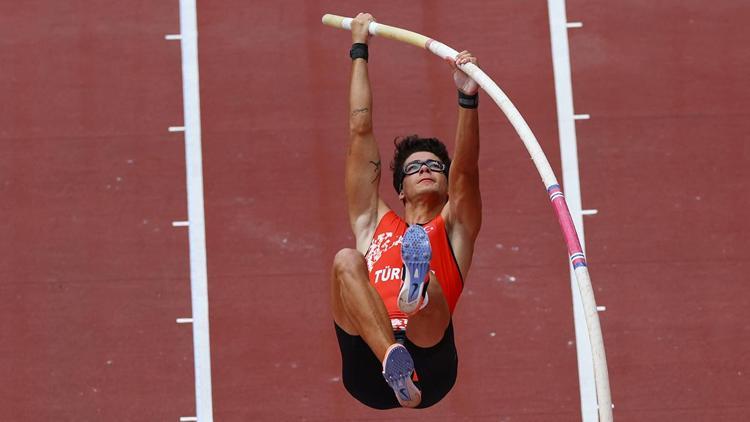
569	156
197	231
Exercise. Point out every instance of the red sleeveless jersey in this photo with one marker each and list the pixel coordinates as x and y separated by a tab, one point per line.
385	266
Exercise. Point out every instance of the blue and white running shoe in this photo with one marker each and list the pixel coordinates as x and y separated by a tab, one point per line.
397	369
416	253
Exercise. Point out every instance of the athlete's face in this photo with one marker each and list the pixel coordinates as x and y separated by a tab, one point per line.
427	180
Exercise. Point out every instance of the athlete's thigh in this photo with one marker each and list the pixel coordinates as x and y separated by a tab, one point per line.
436	367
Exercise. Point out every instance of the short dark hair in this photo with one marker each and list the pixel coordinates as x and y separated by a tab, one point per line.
408	145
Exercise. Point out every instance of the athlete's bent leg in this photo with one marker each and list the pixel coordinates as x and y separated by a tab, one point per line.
358	310
427	327
357	307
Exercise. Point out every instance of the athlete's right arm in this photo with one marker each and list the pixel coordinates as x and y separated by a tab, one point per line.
363	166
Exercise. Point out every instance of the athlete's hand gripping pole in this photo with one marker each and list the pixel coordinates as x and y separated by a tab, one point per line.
575	252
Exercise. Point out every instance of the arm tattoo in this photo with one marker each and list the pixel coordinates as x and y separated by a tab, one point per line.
376	171
360	111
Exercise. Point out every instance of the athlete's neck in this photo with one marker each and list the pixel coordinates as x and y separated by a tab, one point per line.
423	210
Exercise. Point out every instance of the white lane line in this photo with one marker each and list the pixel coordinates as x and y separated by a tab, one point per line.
173	37
589	212
188	418
176	128
180	224
601	308
197	231
581	116
184	320
569	155
574	25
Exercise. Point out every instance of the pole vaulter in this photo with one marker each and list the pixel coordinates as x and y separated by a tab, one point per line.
575	252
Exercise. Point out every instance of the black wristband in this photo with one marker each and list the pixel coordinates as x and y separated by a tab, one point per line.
358	51
468	101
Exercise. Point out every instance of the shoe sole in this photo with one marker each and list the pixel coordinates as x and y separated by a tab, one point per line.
397	369
416	253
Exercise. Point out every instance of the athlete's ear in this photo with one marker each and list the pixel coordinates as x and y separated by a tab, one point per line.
401	195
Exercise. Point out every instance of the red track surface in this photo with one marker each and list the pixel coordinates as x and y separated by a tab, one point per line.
93	275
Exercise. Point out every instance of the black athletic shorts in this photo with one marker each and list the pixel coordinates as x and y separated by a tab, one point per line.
362	372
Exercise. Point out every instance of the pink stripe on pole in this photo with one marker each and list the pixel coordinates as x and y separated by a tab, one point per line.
566	224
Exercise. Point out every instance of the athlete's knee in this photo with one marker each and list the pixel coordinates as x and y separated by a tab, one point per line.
438	303
434	288
348	261
435	291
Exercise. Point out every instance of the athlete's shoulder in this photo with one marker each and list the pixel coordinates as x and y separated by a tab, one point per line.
389	221
437	223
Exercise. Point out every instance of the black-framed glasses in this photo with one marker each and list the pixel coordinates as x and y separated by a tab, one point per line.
414	166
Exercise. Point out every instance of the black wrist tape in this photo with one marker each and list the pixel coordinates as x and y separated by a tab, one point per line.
468	101
358	51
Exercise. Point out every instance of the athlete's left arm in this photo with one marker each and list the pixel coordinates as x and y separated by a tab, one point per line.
464	209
